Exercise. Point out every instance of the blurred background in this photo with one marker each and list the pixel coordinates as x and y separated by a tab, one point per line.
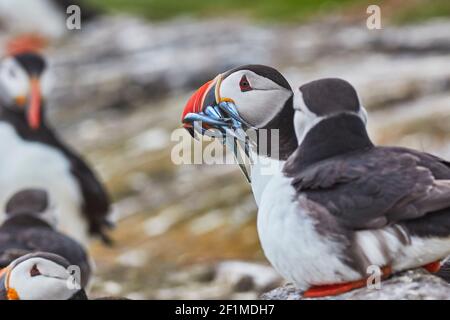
117	88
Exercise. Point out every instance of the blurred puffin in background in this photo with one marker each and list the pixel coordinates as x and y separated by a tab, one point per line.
42	276
38	23
39	276
34	156
30	227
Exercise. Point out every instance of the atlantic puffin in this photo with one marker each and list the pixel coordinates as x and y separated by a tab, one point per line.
30	227
40	22
39	276
305	221
249	97
33	155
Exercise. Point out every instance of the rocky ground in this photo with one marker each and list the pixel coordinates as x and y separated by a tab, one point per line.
409	285
189	231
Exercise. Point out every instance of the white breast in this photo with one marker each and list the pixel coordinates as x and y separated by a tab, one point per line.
291	242
263	169
304	257
26	164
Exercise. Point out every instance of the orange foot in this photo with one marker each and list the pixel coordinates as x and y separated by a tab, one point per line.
340	288
433	267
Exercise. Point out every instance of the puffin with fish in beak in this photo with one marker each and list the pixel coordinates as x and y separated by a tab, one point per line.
340	204
251	107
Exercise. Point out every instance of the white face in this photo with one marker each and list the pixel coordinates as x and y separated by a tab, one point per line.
50	284
261	103
305	120
14	82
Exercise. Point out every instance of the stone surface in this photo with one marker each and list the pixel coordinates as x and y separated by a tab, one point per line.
409	285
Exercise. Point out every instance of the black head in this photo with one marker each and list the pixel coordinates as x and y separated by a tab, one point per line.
330	96
28	201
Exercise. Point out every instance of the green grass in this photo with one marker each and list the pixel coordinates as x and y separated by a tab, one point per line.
423	10
279	10
275	10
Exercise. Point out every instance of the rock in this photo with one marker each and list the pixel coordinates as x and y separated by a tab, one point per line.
409	285
247	276
227	279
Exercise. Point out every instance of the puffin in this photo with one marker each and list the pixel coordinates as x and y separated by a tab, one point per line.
256	103
39	276
29	227
39	23
33	155
339	204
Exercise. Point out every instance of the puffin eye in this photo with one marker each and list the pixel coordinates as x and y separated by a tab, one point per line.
34	271
244	84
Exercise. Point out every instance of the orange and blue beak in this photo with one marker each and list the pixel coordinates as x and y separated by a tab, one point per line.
207	110
194	111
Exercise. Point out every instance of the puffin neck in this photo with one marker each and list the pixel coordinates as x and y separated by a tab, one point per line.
18	119
333	136
287	140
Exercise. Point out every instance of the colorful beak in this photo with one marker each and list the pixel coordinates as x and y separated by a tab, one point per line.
206	106
34	108
203	97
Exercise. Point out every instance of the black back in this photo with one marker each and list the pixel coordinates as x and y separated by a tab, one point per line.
366	187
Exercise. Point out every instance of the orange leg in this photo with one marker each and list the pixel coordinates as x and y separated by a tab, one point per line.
433	267
340	288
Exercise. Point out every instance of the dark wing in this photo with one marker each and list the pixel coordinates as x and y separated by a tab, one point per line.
440	168
15	242
96	201
373	188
